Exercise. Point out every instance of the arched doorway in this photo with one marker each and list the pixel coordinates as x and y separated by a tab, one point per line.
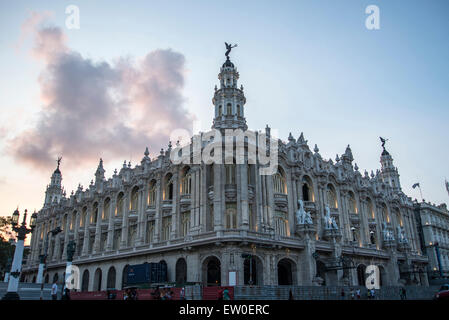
55	278
181	271
34	279
125	276
111	278
252	271
285	272
212	271
321	271
97	280
47	277
85	281
361	274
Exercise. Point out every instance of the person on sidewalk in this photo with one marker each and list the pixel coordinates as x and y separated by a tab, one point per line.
54	291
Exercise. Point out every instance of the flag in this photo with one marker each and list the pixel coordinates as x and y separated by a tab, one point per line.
417	185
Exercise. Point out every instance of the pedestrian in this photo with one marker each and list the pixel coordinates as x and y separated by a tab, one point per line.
54	291
352	294
126	295
182	294
66	294
220	294
358	294
342	294
290	295
226	295
373	293
403	294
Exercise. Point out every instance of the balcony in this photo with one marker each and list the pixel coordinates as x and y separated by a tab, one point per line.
167	204
309	205
371	221
280	199
185	199
354	217
132	215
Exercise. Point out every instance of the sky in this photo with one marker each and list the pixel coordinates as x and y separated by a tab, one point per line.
135	71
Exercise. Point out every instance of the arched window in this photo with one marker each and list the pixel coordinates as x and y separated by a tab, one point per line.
279	182
186	181
106	208
229	109
281	223
73	220
185	223
150	231
331	197
231	216
168	187
166	228
238	110
134	199
220	111
83	217
307	189
352	203
152	194
94	215
120	202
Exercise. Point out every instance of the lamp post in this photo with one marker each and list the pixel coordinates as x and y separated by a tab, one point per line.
43	258
71	246
22	231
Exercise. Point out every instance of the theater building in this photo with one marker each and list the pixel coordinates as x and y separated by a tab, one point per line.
225	223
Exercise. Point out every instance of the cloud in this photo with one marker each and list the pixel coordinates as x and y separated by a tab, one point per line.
95	108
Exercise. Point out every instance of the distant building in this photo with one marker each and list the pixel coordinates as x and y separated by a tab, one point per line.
434	221
210	222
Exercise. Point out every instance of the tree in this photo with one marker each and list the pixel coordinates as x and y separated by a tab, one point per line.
6	248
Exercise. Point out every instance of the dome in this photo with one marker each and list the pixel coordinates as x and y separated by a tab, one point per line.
228	64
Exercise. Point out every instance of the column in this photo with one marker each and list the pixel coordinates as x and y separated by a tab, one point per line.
97	241
140	215
85	250
244	195
174	207
110	240
76	232
291	205
218	192
158	214
66	235
125	221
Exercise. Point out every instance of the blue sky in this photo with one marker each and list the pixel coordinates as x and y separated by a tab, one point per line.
307	66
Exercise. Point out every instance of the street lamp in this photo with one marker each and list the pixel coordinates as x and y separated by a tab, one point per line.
43	258
22	231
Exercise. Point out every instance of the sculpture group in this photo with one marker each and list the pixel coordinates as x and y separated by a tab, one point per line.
302	216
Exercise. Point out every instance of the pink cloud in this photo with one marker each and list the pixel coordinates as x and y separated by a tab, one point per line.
92	109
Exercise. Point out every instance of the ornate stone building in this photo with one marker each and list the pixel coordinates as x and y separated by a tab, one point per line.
312	222
434	222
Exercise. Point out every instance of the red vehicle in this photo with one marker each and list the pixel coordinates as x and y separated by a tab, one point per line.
443	293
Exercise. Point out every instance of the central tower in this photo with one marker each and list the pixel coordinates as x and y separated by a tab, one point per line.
229	100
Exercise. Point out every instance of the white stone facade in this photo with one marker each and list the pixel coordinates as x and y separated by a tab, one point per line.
201	218
435	230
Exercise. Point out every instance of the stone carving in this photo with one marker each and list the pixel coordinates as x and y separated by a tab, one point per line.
387	233
401	235
329	222
228	49
302	216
